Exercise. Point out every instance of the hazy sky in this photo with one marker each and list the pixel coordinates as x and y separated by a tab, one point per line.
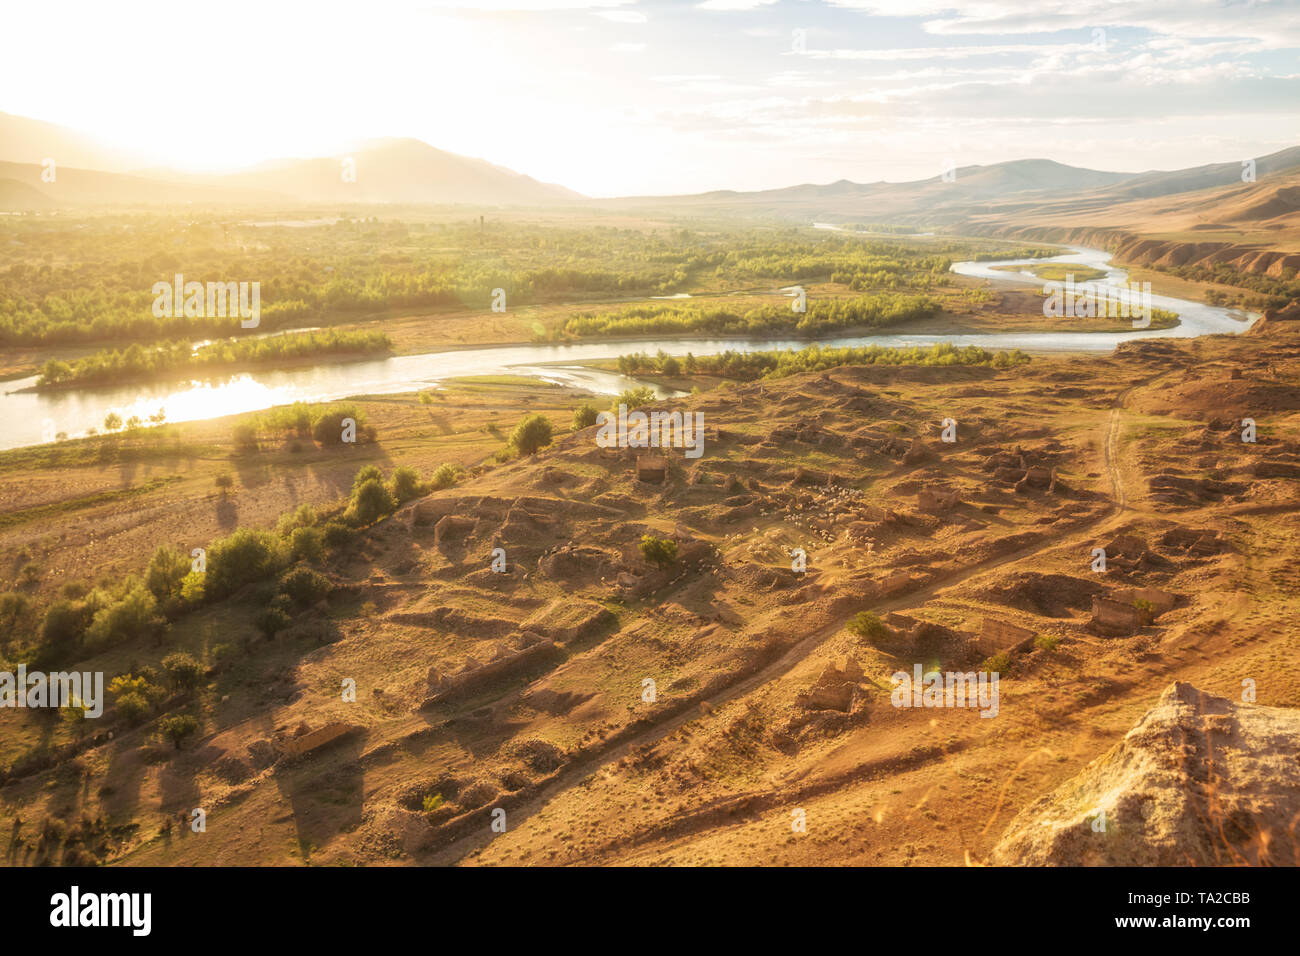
617	97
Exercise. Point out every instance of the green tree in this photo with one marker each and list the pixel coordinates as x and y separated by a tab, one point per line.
531	435
178	727
184	672
661	552
404	483
370	502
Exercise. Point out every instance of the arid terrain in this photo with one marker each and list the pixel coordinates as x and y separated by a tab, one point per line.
524	690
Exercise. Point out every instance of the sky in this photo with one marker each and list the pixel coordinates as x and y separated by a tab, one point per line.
635	97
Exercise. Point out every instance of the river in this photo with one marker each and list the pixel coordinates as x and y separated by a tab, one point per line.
35	417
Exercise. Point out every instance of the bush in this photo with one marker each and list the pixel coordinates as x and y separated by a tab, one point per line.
64	626
337	534
999	663
242	558
193	588
1046	642
584	417
370	502
404	483
1146	610
134	696
304	516
15	616
328	429
178	727
305	586
867	626
634	398
245	435
660	552
271	621
134	615
531	435
444	476
184	673
307	544
367	473
165	574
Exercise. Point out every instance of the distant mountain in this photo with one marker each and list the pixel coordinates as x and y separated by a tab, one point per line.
30	141
400	171
1152	184
379	171
75	187
935	200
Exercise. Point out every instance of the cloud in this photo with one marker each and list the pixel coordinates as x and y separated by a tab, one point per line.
734	5
622	16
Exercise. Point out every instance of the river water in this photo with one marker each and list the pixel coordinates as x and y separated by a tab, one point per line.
34	417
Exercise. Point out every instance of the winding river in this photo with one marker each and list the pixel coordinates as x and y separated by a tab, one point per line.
35	417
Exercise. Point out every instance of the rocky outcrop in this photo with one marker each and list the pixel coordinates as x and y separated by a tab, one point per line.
1198	781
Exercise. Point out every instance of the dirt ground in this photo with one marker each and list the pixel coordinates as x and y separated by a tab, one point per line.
505	718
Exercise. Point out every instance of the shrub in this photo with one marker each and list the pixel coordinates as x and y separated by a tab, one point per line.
165	574
1146	610
305	586
584	417
634	398
999	663
134	615
133	696
133	706
367	473
178	727
867	626
15	615
183	671
531	435
431	802
64	626
1046	642
245	435
307	544
404	483
660	552
304	516
444	476
193	588
670	366
337	534
370	502
242	558
328	429
271	621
